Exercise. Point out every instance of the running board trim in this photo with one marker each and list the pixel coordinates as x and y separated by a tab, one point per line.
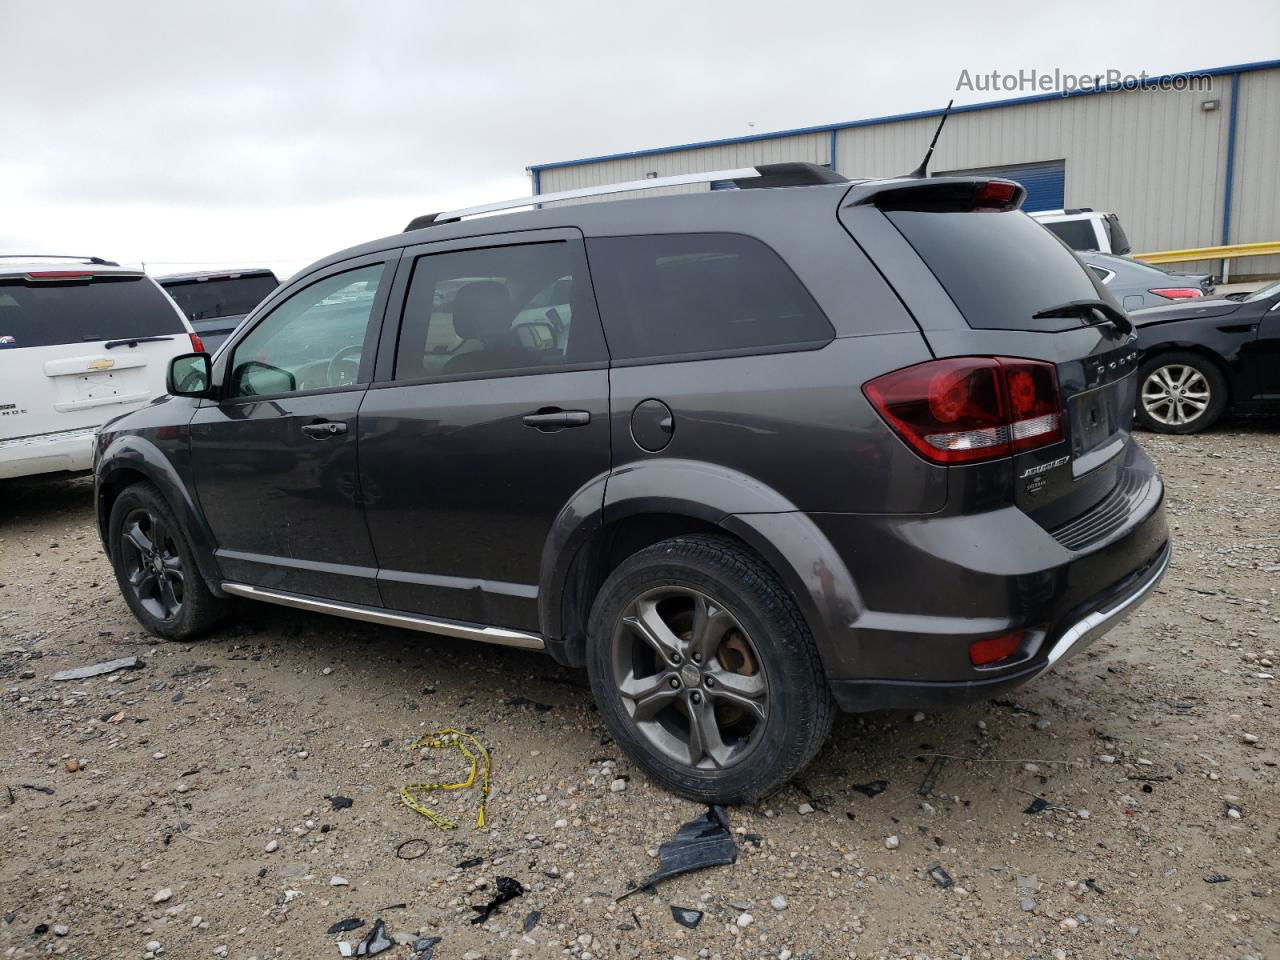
391	618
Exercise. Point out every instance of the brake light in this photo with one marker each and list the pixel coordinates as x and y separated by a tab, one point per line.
994	649
995	195
967	409
1177	293
54	275
197	345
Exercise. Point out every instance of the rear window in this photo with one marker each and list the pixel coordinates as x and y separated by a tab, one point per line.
999	268
1076	234
37	314
220	297
1116	234
685	295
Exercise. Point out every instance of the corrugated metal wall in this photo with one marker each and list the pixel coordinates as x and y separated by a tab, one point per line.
1154	157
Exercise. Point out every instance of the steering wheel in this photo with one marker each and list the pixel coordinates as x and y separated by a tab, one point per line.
345	366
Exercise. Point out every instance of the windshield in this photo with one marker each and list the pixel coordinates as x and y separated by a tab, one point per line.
1263	293
220	296
39	314
1000	268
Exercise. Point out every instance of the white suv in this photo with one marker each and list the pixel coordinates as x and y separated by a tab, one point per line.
82	340
1084	228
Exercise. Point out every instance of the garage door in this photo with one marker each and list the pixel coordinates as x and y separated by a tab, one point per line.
1044	182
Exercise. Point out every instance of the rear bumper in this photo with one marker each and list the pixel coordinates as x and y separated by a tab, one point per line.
70	450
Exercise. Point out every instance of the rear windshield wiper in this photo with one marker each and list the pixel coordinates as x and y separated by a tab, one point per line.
133	342
1086	309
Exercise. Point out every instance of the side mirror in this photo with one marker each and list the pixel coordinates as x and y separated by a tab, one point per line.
190	375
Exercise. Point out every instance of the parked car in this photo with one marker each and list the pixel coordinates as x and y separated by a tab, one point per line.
1136	285
1204	357
1084	228
216	301
82	340
742	468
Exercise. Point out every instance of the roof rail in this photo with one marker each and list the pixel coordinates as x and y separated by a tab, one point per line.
57	256
764	175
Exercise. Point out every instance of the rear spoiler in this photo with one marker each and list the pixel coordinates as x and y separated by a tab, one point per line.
937	194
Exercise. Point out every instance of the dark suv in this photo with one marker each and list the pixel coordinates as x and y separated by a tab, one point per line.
746	455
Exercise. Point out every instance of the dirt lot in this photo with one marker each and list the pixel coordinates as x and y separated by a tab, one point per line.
205	775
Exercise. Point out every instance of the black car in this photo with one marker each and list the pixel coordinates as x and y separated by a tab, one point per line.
216	301
1204	357
746	455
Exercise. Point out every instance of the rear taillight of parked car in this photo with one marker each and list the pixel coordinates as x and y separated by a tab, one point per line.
197	345
967	409
1178	293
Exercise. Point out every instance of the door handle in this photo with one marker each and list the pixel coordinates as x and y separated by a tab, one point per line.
325	429
556	419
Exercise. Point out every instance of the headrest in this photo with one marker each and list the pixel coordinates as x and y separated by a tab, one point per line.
482	311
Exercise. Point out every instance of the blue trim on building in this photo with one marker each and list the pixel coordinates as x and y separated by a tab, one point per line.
832	158
1231	159
832	128
537	180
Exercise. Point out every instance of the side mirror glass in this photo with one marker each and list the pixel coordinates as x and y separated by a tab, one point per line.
190	375
254	378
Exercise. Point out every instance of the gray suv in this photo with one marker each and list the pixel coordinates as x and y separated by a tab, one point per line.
746	455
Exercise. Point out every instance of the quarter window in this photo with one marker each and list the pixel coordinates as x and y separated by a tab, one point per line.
311	341
680	295
520	308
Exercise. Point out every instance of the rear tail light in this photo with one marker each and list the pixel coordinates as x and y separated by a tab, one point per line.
1178	293
55	276
967	409
994	649
197	345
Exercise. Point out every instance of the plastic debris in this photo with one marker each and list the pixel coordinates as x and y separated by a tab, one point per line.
1216	878
376	942
686	916
339	803
702	842
468	864
508	889
940	876
98	669
345	948
1093	885
931	776
469	747
532	919
415	853
1037	806
425	947
872	789
342	926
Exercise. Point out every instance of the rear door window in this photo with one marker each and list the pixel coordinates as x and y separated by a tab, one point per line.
1076	234
688	295
1000	268
36	313
220	296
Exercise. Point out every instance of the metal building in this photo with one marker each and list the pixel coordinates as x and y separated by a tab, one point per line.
1192	167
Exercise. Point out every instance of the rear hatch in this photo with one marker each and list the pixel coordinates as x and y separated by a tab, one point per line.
78	347
215	303
1014	290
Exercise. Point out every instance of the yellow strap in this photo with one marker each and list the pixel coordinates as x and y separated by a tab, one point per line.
480	763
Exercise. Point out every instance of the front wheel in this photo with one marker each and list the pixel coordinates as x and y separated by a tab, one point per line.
705	672
1180	392
156	568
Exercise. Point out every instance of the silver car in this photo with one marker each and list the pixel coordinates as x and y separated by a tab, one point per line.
1136	285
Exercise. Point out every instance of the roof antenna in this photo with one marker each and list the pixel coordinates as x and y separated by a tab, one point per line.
922	171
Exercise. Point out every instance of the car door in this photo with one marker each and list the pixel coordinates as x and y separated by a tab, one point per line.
488	415
1268	349
274	458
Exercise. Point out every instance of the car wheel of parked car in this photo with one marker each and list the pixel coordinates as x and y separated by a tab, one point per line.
1180	392
705	671
155	567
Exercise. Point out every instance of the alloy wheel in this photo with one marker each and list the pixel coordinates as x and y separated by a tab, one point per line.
1175	394
690	677
152	564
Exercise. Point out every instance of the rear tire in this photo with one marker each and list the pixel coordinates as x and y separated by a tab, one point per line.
1180	392
156	568
695	650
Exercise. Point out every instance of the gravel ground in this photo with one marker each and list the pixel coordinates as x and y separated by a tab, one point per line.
180	810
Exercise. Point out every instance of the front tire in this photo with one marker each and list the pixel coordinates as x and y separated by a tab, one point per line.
156	568
705	672
1180	392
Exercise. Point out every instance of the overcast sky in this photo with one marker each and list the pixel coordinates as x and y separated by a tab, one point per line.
189	134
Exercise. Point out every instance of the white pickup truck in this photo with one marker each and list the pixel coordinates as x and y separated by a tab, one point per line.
82	340
1084	228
